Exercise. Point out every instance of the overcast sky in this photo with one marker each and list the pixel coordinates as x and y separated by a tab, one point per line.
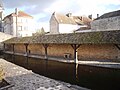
41	10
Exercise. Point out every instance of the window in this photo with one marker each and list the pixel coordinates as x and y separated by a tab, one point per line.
20	28
25	28
19	20
19	35
26	20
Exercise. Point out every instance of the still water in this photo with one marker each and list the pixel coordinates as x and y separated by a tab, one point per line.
95	78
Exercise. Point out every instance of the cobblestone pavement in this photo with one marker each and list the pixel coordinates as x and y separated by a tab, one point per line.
24	79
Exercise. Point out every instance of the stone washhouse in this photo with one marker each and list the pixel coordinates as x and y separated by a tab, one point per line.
76	46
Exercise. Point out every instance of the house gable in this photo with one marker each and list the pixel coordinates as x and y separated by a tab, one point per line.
54	25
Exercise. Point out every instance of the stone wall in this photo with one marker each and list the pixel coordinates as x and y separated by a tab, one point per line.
100	51
19	48
36	49
112	23
60	50
103	51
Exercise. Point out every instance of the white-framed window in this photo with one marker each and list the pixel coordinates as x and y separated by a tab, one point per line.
19	20
20	28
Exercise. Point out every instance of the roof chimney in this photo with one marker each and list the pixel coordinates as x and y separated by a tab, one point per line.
97	15
16	11
69	14
90	16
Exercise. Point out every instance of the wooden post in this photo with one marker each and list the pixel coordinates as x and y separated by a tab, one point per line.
45	47
13	48
4	47
26	49
117	45
75	47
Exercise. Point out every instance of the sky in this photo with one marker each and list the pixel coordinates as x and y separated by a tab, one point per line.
42	10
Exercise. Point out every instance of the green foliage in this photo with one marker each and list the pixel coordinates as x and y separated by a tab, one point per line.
40	31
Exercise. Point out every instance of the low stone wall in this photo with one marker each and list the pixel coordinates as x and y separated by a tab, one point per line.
100	51
60	50
19	48
36	49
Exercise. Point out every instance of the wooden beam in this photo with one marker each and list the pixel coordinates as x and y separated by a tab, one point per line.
117	46
13	48
4	47
75	45
45	47
26	49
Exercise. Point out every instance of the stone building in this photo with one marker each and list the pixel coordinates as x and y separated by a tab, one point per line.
108	21
60	23
19	24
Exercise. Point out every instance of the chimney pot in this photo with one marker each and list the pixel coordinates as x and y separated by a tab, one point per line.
16	11
97	15
69	14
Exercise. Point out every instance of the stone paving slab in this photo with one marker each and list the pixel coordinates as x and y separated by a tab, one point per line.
24	79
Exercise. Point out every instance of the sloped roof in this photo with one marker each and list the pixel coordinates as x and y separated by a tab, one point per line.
63	19
20	14
98	37
86	20
23	14
110	14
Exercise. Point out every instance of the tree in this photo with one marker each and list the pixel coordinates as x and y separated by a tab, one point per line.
40	31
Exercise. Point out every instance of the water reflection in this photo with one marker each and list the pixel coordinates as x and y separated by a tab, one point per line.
76	70
87	76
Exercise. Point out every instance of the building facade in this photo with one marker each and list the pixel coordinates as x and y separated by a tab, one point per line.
108	21
19	24
60	23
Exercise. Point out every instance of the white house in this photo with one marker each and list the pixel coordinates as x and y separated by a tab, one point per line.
19	24
60	23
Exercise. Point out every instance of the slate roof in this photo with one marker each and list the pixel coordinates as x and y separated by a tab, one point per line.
97	37
110	14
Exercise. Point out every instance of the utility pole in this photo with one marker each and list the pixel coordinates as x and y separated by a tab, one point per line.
1	16
16	12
